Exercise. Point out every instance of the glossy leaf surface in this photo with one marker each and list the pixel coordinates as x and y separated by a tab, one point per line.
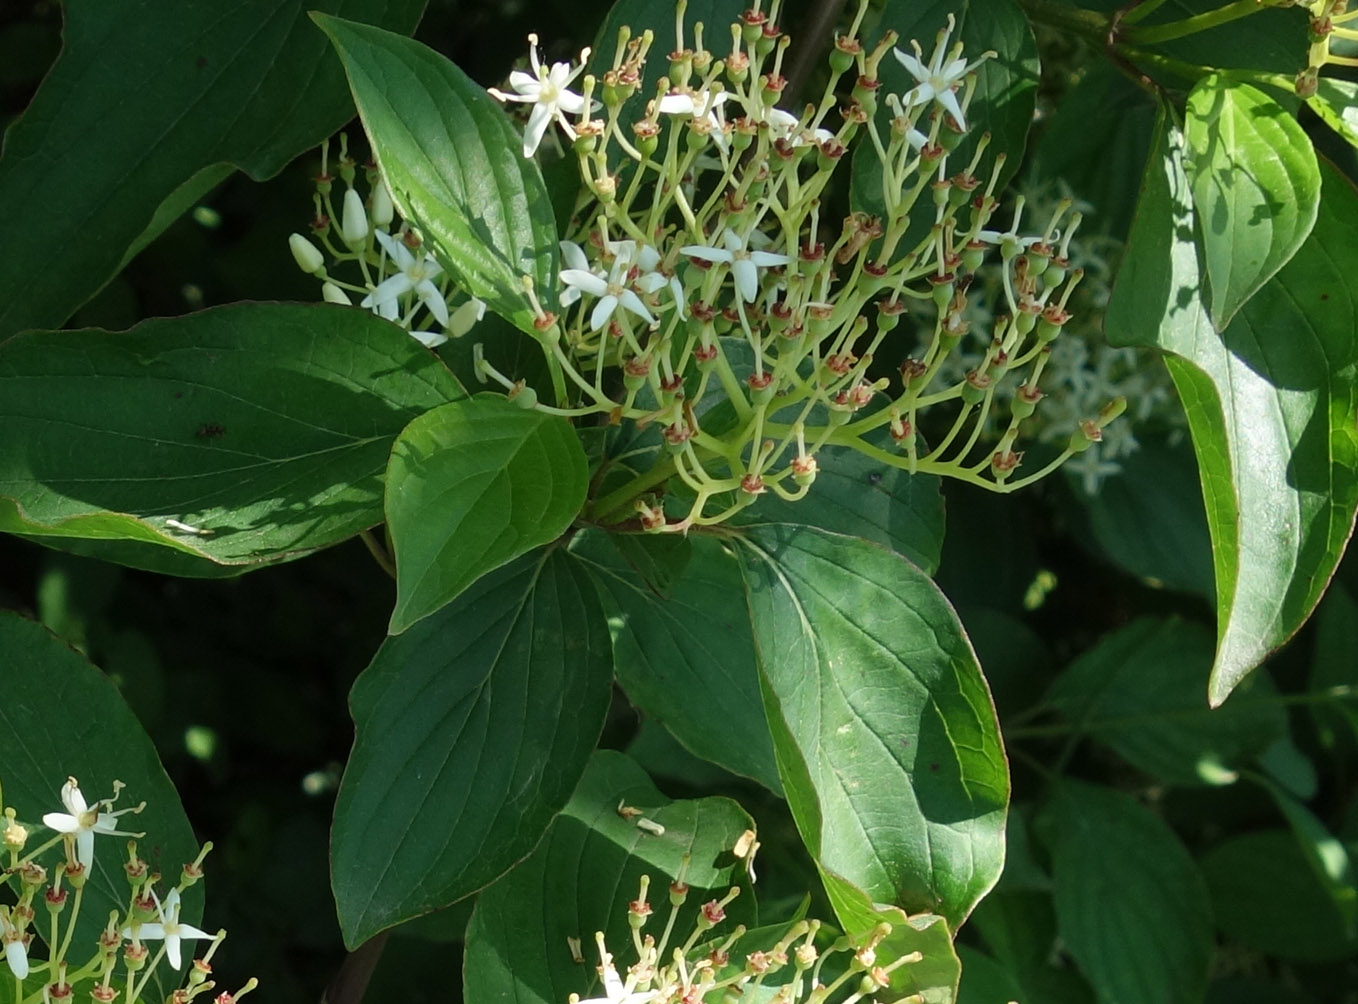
455	167
472	485
1255	185
241	434
883	728
473	729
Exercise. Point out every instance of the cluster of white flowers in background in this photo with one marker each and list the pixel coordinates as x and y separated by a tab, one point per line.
390	272
121	962
1083	370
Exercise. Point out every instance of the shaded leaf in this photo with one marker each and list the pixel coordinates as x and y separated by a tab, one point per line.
242	434
161	96
472	730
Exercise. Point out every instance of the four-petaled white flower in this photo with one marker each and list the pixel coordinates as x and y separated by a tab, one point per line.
618	992
611	289
415	274
937	79
703	104
83	822
650	277
169	929
742	260
546	91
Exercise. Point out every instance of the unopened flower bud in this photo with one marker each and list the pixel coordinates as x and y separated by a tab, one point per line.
353	221
331	293
465	316
307	256
383	212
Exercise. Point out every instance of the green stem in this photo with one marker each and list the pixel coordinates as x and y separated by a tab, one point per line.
619	498
1171	30
1091	24
378	552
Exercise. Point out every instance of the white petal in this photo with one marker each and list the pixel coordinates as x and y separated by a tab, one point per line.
17	958
84	848
676	104
589	282
574	256
146	932
172	951
568	296
395	249
105	823
677	291
765	259
948	100
912	65
732	241
569	101
747	279
171	903
603	310
429	339
387	291
538	121
194	933
72	798
61	822
650	282
525	83
633	303
431	297
703	253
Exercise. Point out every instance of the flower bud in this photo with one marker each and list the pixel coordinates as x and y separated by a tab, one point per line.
383	212
465	316
353	221
307	256
331	293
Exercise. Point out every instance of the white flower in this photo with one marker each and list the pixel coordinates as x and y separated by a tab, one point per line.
704	104
546	91
784	125
83	822
169	929
574	257
618	992
16	952
937	79
650	278
414	275
611	290
743	261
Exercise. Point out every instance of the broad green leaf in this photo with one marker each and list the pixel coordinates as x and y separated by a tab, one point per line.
1002	105
1333	669
1131	906
1326	854
1336	102
1255	185
856	495
61	717
144	100
985	981
883	729
242	434
582	876
1266	897
934	977
455	167
1140	691
472	485
472	730
686	657
1272	404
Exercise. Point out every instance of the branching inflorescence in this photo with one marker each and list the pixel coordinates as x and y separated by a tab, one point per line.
702	292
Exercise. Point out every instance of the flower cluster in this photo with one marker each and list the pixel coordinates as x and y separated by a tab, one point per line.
1330	19
396	278
121	961
1082	371
803	964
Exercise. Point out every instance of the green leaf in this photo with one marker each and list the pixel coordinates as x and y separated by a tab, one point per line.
63	718
934	977
1255	185
883	729
455	167
581	877
1002	105
1266	897
985	981
1333	669
241	434
686	657
472	485
141	101
856	495
1272	404
1140	691
472	730
1336	102
1131	906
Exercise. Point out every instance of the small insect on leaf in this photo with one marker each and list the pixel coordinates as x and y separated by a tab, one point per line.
210	430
